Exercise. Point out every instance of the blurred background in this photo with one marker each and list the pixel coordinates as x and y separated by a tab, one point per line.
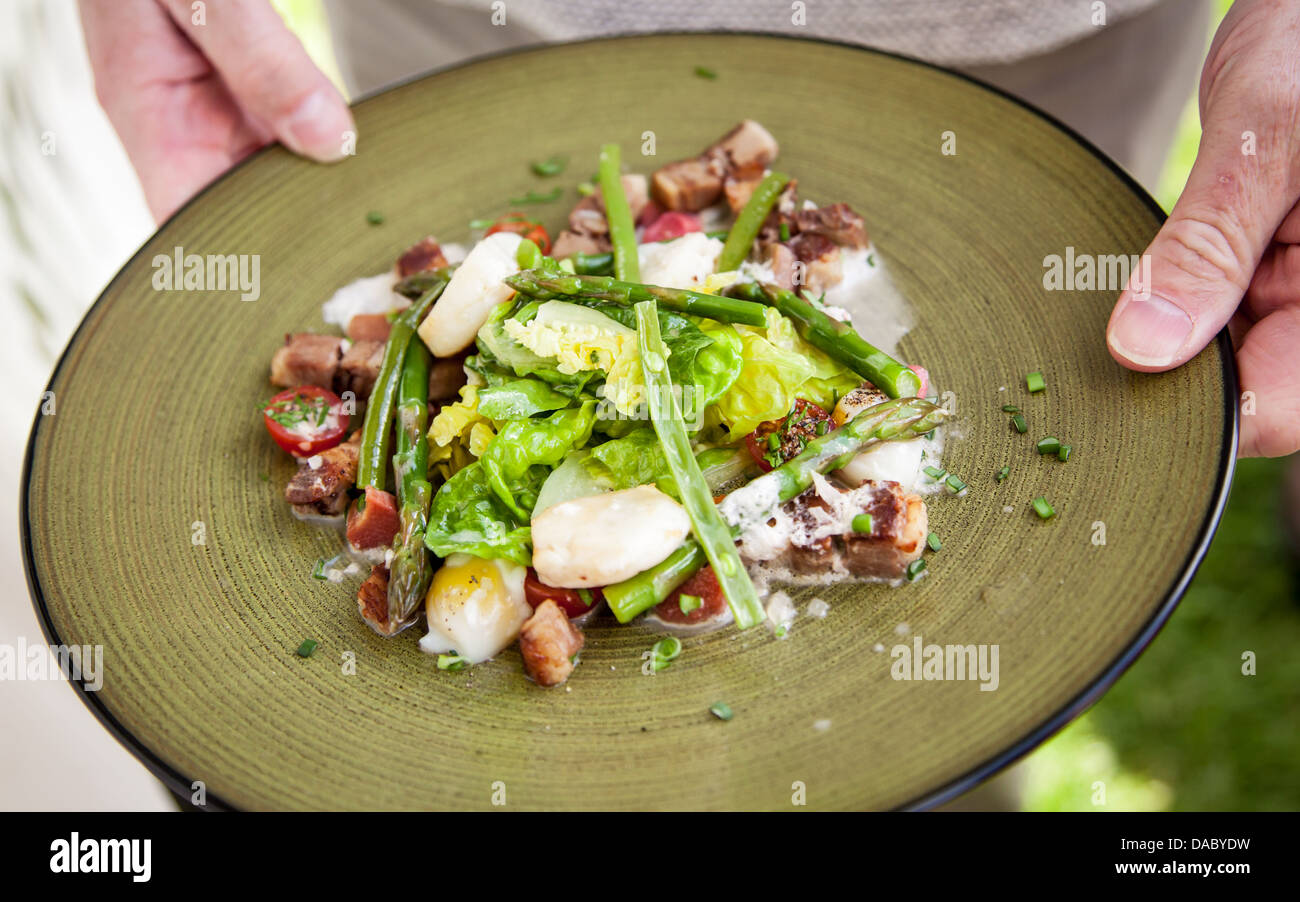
1182	730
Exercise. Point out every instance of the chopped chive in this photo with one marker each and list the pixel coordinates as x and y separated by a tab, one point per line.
1010	408
955	483
689	603
532	197
1049	445
706	72
930	435
1064	453
1043	509
933	541
586	189
265	477
721	710
452	662
863	523
374	217
935	473
553	166
481	223
780	631
914	569
668	648
785	231
1019	422
586	596
773	441
1035	383
1002	474
718	233
823	427
308	646
319	571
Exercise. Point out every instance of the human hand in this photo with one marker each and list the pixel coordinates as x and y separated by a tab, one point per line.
1229	254
190	100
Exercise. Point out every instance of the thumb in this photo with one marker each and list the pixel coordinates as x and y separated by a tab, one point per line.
1201	261
269	74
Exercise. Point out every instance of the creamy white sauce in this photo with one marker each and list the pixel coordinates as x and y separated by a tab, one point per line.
372	294
877	308
684	262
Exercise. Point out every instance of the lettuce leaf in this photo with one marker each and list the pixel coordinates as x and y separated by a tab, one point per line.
467	516
519	398
777	367
524	451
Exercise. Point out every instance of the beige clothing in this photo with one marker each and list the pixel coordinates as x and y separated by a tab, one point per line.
1123	85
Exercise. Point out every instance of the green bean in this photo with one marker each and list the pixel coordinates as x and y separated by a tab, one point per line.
745	229
372	465
713	535
622	233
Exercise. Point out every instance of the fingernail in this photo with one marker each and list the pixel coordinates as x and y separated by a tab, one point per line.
319	128
1150	331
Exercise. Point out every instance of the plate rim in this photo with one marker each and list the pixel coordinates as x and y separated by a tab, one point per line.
179	785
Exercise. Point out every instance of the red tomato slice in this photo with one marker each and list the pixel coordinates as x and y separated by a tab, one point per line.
515	222
793	433
305	420
703	584
671	225
569	600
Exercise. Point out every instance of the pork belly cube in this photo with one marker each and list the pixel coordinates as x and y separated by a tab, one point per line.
548	640
689	185
323	489
424	255
899	524
306	359
359	368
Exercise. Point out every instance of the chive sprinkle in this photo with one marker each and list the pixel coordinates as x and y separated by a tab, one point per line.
586	597
374	217
955	483
1043	509
318	572
586	189
1002	474
863	523
1010	408
481	223
915	568
1034	382
933	541
668	648
721	710
785	231
773	441
452	663
532	197
706	72
1049	445
553	166
935	473
308	646
1063	454
689	603
1019	422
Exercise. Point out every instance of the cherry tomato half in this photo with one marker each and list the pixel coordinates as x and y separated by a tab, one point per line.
305	420
671	225
517	223
570	600
792	434
703	584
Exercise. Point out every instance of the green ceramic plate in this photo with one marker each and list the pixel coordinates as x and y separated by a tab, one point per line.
156	431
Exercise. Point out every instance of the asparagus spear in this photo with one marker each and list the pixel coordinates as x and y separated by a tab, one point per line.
544	285
622	233
710	531
745	229
898	419
373	463
837	339
409	569
416	284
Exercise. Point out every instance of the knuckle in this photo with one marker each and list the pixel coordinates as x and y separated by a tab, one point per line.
1207	248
